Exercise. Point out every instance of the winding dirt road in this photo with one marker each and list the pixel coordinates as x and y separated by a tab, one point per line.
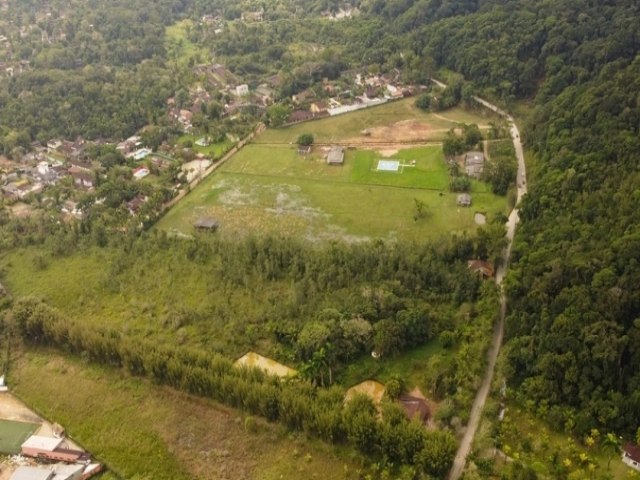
498	332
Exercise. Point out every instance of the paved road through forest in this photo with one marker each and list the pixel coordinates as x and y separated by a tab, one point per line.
496	341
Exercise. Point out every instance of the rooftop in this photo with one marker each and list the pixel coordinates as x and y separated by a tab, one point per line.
48	444
31	473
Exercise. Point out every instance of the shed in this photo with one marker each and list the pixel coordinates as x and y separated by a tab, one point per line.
474	164
206	223
31	473
631	456
464	200
415	408
68	472
36	444
484	269
335	156
304	150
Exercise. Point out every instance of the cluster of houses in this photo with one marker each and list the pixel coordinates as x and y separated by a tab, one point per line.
45	166
235	93
363	92
64	160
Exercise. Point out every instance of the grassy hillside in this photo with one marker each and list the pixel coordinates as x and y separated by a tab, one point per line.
167	434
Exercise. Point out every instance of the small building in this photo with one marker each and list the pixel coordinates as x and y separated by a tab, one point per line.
68	472
464	200
415	407
71	208
31	473
134	205
242	90
474	164
36	445
631	456
304	150
335	156
82	177
318	107
206	223
484	269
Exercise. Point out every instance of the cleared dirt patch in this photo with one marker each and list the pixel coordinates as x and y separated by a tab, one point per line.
371	388
253	359
403	131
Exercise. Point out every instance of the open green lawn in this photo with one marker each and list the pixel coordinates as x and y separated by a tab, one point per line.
179	45
416	367
213	150
272	189
349	126
141	430
13	434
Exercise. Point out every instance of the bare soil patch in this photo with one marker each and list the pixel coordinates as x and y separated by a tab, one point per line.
253	359
371	388
403	131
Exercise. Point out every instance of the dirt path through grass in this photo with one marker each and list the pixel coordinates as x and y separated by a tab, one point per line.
498	333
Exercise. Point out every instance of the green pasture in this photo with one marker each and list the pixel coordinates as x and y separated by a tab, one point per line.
213	150
349	126
13	434
179	45
142	430
273	189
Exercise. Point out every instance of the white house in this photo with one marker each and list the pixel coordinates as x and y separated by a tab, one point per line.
242	90
631	456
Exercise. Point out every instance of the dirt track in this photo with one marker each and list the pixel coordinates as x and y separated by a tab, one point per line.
498	333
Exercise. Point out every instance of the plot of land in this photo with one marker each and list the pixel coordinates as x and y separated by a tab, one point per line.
393	122
273	189
168	434
13	434
370	388
252	359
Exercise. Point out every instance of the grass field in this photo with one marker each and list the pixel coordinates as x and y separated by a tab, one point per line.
13	434
167	434
272	189
179	45
214	150
349	126
414	366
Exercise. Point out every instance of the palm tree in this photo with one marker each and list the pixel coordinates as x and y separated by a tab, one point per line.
612	443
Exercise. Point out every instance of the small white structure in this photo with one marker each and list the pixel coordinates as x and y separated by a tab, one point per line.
62	471
242	90
3	387
39	443
631	456
31	473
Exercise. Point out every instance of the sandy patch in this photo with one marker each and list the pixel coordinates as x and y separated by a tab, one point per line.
21	210
371	388
252	359
195	168
480	218
13	409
